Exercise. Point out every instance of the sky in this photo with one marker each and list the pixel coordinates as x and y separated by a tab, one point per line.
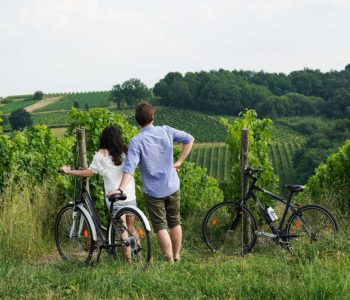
91	45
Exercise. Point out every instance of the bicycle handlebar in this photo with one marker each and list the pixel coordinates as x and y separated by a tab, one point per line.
250	171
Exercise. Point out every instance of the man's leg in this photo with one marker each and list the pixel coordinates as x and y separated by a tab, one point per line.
176	238
172	206
165	244
156	212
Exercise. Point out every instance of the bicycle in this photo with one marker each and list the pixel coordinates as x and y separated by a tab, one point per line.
78	227
230	227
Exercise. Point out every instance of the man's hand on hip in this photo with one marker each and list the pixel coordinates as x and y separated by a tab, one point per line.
177	165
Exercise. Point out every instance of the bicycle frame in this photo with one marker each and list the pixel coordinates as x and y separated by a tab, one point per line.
277	231
86	205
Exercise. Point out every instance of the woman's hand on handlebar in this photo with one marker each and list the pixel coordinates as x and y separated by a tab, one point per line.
66	169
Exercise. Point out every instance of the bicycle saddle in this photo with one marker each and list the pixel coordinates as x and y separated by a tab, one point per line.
294	188
117	197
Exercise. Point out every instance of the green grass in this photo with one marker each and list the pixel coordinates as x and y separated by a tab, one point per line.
92	99
7	108
311	271
31	268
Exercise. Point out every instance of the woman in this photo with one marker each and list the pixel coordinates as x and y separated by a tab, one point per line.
108	162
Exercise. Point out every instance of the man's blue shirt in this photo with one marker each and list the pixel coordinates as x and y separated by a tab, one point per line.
152	148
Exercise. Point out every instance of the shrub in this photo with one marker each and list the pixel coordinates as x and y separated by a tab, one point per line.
199	191
38	95
20	118
332	178
259	138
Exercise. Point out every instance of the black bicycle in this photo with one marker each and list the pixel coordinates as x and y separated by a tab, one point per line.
78	229
231	228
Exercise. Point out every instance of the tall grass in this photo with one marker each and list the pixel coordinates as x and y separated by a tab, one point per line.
317	270
26	218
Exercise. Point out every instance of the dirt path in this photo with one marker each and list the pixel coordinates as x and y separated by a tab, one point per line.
41	103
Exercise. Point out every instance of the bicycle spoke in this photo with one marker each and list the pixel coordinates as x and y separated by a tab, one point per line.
313	223
229	230
129	230
73	235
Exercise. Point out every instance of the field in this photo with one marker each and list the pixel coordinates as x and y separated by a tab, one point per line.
216	159
209	152
82	100
9	107
204	128
30	267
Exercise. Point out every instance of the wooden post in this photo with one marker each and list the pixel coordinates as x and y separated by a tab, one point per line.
244	180
244	160
82	157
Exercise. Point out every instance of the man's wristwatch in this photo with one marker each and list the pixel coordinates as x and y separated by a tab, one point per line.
120	190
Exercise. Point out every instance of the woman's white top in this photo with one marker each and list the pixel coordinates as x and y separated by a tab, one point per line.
102	164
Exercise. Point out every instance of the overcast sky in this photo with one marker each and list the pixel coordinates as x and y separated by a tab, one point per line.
84	45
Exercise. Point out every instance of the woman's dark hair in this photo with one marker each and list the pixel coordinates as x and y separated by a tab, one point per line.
111	139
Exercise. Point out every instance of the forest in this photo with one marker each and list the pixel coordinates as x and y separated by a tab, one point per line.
301	93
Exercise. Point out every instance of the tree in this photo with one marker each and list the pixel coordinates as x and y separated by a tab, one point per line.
38	95
130	92
20	118
76	104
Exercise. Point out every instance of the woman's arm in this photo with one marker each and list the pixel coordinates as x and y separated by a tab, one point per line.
80	173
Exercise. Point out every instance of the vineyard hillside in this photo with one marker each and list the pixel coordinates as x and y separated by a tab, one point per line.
210	151
216	159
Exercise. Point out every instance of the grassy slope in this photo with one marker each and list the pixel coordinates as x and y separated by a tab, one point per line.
312	272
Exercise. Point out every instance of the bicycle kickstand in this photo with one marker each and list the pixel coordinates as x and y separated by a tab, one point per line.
99	253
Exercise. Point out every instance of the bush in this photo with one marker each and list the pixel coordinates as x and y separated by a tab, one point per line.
38	95
20	118
259	138
198	190
34	154
332	178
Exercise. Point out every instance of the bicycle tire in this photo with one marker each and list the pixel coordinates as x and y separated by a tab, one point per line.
302	223
73	243
222	228
138	236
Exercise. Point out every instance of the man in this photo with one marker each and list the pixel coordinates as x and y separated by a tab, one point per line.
152	148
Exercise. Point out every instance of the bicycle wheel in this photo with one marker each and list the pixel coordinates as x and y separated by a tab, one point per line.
229	228
130	233
313	222
73	235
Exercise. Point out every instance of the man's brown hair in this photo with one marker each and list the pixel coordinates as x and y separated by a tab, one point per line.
144	113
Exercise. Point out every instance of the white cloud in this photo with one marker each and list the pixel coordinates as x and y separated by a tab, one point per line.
72	43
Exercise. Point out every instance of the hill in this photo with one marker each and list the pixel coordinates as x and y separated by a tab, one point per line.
210	151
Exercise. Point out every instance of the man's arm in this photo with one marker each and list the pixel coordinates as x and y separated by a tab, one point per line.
186	149
131	163
125	180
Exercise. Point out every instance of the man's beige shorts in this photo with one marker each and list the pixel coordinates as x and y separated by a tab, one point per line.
164	212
